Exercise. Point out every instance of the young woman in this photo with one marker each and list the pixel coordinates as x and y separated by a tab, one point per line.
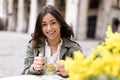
50	42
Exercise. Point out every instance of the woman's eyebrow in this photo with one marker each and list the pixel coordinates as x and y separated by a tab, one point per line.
52	20
43	22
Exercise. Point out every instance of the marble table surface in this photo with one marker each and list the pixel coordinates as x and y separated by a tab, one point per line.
34	77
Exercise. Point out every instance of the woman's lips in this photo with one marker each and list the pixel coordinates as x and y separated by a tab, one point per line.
51	33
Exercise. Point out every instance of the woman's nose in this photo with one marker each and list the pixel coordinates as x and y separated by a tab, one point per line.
49	28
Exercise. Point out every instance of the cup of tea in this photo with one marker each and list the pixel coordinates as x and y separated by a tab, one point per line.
50	69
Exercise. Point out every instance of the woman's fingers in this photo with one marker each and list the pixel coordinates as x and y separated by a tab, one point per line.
60	68
39	62
41	55
38	67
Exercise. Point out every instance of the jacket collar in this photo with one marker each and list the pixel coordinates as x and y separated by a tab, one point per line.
66	45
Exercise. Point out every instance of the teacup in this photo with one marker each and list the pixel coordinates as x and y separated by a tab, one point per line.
50	69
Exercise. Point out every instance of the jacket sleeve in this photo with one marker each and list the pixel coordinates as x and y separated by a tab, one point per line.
73	46
76	47
28	62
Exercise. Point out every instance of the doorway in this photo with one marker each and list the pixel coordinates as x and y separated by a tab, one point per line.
91	26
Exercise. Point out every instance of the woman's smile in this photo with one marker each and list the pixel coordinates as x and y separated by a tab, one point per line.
51	32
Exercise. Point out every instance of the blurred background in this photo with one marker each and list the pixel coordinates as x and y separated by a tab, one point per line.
88	18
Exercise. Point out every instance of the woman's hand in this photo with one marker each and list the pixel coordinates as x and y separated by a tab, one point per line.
60	68
38	63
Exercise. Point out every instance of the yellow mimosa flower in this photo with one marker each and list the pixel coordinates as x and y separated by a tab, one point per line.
103	60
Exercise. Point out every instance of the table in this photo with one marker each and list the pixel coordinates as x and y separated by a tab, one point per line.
34	77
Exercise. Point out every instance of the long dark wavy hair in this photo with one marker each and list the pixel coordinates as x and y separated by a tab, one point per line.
65	31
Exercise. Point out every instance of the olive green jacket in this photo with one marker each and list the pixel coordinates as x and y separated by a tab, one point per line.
68	47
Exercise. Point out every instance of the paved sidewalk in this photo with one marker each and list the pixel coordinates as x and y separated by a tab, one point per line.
12	53
13	48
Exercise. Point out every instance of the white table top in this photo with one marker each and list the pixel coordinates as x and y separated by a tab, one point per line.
33	77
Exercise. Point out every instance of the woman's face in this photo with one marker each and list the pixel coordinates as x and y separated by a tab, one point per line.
51	27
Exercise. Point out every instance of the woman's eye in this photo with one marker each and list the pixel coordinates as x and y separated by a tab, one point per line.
44	24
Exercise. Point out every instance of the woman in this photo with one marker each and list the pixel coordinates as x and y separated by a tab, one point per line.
51	39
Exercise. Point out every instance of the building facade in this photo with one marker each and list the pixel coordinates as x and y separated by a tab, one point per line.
88	18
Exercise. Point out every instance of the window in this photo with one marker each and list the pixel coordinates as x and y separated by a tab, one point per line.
94	4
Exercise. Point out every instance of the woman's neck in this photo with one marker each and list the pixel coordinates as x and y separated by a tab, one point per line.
53	42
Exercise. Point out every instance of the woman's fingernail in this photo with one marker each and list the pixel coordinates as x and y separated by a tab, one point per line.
40	54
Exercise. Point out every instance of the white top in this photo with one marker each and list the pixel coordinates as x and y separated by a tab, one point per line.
51	59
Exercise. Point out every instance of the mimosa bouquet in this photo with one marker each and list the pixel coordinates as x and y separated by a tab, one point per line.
102	64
